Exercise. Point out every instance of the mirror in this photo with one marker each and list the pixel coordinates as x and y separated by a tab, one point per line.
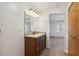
27	23
31	23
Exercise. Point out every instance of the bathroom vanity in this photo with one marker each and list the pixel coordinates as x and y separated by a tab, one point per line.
35	43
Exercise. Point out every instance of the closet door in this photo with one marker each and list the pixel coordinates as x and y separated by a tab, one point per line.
77	25
72	43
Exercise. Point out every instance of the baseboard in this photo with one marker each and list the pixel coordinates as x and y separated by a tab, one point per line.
66	53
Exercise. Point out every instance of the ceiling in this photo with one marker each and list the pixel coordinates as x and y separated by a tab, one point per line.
49	6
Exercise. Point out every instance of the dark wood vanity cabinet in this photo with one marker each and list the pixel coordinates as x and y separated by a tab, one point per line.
35	46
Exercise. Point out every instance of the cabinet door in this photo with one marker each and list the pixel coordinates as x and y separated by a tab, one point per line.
37	51
37	46
42	43
29	46
72	30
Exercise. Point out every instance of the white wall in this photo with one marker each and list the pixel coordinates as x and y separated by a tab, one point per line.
13	23
1	29
66	35
12	37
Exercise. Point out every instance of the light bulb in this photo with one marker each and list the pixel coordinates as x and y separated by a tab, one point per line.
31	13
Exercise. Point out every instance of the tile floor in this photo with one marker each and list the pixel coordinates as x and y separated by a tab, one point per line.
57	43
57	47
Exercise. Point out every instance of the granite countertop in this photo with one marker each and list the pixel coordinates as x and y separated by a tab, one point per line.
35	35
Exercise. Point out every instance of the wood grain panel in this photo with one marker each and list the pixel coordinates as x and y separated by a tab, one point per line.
77	25
29	46
35	46
73	33
72	46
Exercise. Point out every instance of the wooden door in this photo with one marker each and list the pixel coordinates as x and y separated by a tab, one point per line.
72	46
77	25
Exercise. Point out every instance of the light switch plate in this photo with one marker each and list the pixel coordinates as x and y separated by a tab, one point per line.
1	30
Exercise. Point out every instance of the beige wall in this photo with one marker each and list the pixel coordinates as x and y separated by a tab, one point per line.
12	37
0	32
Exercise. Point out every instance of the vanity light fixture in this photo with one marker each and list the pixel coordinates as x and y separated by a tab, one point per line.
32	12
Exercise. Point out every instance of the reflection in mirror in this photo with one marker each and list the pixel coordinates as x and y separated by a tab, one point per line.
31	23
27	23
